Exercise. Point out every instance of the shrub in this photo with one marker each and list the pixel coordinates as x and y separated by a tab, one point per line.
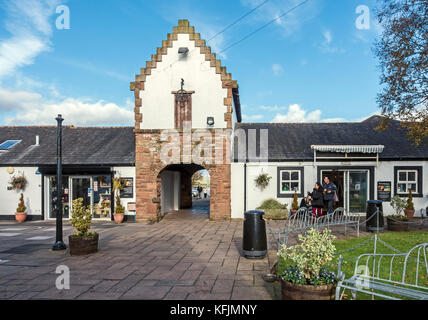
272	204
314	252
295	204
81	217
410	205
21	205
398	204
118	207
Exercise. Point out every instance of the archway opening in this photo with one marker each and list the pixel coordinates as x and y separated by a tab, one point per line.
179	190
201	191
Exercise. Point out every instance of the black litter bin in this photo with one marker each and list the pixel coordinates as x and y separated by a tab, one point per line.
254	243
374	217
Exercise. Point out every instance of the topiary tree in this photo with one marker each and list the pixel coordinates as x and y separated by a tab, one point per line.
118	208
410	205
295	204
21	205
81	217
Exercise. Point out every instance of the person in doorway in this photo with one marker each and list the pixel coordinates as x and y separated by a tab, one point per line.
329	190
317	200
200	192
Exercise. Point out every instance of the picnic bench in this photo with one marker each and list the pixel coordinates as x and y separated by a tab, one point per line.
387	275
303	220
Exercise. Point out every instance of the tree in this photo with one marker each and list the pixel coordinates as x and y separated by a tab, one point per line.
402	53
197	178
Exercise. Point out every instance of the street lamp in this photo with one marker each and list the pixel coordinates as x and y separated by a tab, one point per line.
59	244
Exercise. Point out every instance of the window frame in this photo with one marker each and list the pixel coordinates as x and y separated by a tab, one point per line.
15	142
301	181
418	182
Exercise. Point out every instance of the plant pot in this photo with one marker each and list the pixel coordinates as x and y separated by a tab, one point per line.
275	214
83	245
397	225
118	217
291	291
20	216
409	213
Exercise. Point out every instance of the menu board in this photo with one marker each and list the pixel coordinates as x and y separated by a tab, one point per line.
128	188
384	191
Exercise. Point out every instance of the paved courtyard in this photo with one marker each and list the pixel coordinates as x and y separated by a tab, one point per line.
185	256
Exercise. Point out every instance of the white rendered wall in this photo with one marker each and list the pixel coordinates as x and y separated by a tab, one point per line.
32	193
208	99
255	196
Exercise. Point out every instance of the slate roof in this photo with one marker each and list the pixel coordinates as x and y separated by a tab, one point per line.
292	141
96	146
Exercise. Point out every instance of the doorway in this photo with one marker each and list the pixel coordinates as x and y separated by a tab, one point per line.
352	188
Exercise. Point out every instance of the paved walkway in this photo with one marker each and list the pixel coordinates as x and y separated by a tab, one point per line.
185	256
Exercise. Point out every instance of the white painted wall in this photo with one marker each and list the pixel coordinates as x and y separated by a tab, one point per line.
170	196
32	193
255	196
208	99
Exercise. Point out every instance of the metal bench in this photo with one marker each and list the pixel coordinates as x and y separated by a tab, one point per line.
303	220
377	275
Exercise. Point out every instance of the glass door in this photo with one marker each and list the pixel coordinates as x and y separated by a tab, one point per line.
357	191
52	197
81	188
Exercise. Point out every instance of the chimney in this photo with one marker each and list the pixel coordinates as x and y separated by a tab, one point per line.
37	140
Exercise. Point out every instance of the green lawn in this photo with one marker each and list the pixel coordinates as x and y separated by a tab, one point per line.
402	241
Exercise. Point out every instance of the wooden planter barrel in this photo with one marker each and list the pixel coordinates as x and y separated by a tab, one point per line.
83	245
291	291
397	225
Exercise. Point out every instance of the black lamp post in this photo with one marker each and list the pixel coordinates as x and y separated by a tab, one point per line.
59	244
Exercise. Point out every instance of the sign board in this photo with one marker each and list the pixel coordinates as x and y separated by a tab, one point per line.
128	188
384	191
132	206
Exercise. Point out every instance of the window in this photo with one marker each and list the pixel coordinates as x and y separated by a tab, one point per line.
8	144
408	178
289	181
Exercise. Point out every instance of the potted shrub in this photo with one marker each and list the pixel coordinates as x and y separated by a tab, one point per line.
397	221
262	180
21	214
18	182
82	242
119	210
274	209
295	203
304	275
410	208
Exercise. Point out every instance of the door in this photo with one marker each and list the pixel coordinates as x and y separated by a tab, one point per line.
357	192
338	178
81	188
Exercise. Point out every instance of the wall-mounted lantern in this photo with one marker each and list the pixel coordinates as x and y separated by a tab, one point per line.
210	121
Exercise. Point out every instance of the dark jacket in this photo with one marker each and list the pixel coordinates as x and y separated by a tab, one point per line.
317	198
329	187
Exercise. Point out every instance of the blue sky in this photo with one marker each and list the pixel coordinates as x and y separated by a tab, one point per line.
311	65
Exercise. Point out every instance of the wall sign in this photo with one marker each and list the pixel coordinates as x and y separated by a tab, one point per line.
128	188
384	191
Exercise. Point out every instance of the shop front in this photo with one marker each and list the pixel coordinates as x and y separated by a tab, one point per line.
354	186
94	188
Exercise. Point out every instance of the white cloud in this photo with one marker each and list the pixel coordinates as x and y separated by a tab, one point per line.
326	45
296	114
32	109
254	117
277	69
28	23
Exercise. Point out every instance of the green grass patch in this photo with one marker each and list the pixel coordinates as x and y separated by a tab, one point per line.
402	241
